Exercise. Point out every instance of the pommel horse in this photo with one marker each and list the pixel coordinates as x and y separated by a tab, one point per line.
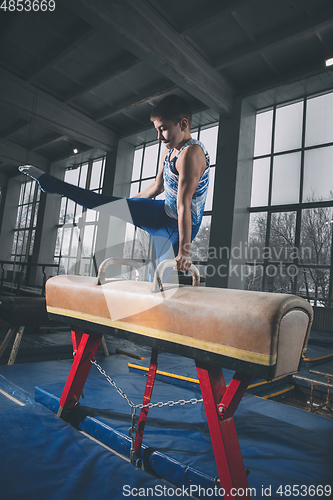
254	333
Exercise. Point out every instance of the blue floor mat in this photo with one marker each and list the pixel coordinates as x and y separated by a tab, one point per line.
42	458
281	445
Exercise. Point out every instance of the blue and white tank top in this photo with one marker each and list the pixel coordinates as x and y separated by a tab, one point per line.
171	179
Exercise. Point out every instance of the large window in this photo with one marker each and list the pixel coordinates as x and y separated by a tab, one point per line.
290	234
147	161
26	221
77	227
24	231
145	166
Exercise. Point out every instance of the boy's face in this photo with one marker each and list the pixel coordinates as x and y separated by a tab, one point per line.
170	133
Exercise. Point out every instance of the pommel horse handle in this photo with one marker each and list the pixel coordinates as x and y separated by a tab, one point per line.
162	266
114	260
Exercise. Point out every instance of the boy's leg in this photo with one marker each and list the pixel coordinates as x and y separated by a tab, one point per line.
161	248
145	213
141	212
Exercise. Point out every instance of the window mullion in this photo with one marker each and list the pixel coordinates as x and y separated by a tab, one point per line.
269	215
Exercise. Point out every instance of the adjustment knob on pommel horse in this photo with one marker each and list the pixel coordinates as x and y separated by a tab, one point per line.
253	333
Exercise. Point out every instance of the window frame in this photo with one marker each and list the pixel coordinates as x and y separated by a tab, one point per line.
78	223
297	207
29	229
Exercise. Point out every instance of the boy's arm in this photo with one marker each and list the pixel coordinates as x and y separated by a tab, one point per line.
190	165
156	187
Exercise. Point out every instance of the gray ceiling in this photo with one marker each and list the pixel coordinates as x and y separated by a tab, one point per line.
87	73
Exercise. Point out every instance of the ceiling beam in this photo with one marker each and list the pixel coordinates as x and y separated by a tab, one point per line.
133	101
15	154
325	44
242	24
118	67
9	21
202	17
75	158
136	26
46	142
26	102
60	51
150	128
20	125
302	74
296	30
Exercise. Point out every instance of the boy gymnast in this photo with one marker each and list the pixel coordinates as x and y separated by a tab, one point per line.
183	176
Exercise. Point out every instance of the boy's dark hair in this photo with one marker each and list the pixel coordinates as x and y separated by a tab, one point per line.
173	108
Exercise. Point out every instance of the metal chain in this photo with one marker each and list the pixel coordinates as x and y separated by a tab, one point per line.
112	382
131	433
160	404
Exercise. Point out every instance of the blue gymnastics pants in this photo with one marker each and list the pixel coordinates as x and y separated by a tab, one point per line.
146	213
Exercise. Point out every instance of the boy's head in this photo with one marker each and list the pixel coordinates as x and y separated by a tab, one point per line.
172	108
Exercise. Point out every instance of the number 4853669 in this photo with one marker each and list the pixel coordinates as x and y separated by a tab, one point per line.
27	5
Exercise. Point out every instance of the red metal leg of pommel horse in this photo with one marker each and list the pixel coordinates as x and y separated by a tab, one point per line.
84	348
146	400
219	400
220	404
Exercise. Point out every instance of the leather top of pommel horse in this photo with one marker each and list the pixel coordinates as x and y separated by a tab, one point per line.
257	333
